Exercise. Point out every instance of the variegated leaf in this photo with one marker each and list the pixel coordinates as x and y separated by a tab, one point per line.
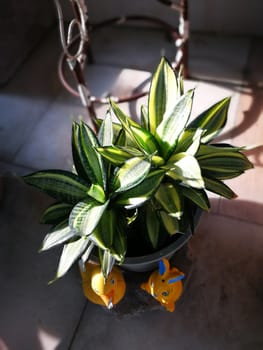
197	196
186	169
86	215
133	172
58	236
142	192
153	225
105	135
170	199
162	95
170	223
71	252
218	187
56	213
173	124
212	120
91	160
62	185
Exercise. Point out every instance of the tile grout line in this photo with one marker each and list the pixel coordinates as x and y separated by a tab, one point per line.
75	332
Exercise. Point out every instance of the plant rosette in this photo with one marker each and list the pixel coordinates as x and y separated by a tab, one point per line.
135	187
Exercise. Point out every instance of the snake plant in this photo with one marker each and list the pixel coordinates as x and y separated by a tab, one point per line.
154	173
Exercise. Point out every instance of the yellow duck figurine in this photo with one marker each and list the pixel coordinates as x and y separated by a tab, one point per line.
165	285
100	291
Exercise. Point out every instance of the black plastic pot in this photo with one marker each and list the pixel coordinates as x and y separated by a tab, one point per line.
150	261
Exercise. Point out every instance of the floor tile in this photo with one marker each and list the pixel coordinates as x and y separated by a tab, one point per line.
24	100
49	145
34	315
221	306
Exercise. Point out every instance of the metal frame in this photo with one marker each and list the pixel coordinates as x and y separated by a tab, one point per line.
76	60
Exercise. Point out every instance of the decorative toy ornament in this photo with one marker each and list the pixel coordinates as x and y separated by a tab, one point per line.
165	285
100	291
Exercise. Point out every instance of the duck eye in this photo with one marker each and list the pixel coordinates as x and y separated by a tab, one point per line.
112	281
165	293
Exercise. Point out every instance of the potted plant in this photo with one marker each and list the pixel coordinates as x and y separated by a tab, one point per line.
135	187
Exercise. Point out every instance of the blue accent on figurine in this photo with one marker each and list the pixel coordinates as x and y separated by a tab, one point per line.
162	267
176	279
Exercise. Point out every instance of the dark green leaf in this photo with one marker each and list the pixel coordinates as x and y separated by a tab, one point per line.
199	197
219	188
170	223
170	200
153	225
77	154
91	160
62	185
56	213
142	192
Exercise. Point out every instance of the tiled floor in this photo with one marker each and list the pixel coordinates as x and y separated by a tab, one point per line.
222	305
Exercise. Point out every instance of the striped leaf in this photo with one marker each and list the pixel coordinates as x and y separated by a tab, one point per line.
142	137
56	213
125	120
199	197
119	245
170	199
91	160
218	187
144	118
133	172
79	163
215	148
105	135
58	236
212	120
173	124
105	230
142	192
189	141
116	127
224	164
153	225
170	223
62	185
109	234
114	154
71	252
107	263
85	216
145	140
186	169
97	192
86	255
162	95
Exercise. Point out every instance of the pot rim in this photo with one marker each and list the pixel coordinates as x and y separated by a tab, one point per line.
156	256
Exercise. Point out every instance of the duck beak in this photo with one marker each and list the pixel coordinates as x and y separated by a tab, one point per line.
108	299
